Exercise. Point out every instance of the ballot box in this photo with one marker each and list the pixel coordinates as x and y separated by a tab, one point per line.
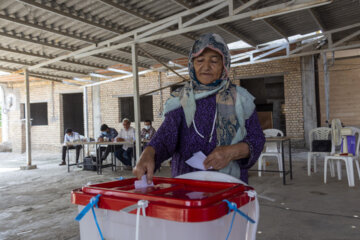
173	208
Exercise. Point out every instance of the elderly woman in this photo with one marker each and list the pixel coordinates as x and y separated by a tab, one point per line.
209	114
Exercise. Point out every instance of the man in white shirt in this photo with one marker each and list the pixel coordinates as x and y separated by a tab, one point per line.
125	153
70	137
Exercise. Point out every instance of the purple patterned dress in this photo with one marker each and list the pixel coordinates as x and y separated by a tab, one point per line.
174	139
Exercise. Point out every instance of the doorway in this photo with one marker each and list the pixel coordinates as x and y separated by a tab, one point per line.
269	100
73	114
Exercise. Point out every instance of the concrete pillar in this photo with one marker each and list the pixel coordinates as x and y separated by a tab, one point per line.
309	95
276	112
96	106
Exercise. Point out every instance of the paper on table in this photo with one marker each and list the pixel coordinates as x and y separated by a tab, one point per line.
197	160
142	183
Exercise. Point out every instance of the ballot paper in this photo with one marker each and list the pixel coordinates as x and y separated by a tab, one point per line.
142	183
197	160
196	195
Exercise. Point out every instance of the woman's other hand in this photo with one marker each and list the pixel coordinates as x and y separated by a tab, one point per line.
146	164
221	156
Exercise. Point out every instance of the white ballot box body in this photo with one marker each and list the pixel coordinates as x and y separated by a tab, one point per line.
118	224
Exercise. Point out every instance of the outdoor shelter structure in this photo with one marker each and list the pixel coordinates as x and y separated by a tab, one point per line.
68	41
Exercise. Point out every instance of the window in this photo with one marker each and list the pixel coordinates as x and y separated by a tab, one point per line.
126	105
38	113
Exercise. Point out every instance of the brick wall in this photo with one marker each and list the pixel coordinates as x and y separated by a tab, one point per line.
291	70
110	93
50	137
344	98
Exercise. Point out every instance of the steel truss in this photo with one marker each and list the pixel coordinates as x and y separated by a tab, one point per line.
310	45
176	25
155	31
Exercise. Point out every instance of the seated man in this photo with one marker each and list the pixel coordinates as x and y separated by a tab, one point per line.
107	135
125	153
148	131
71	136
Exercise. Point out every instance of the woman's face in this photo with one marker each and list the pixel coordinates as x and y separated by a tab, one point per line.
208	66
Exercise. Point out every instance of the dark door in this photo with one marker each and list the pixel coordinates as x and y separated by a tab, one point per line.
73	112
269	100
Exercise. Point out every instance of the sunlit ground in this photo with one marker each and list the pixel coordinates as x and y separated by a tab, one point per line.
8	169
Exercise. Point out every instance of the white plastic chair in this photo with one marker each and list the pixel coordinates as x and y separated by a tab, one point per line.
348	160
321	133
272	149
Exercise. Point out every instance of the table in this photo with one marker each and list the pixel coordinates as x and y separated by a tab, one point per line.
99	164
98	144
284	172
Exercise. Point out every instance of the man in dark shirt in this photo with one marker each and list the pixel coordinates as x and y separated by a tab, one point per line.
107	135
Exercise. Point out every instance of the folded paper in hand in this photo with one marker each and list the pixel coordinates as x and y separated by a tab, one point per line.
142	183
197	160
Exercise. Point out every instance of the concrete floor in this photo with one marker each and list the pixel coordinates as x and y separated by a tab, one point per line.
35	204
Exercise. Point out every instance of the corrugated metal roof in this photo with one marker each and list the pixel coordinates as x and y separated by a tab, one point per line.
32	31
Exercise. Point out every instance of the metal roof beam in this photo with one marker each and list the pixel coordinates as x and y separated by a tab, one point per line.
46	78
51	75
44	27
113	43
316	18
315	41
104	45
225	27
72	13
306	53
33	54
45	42
275	28
50	67
35	39
347	38
34	73
150	18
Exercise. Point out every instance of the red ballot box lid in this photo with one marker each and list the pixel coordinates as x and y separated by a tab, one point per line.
172	199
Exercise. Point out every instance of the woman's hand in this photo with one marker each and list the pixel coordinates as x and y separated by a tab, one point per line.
221	156
146	164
